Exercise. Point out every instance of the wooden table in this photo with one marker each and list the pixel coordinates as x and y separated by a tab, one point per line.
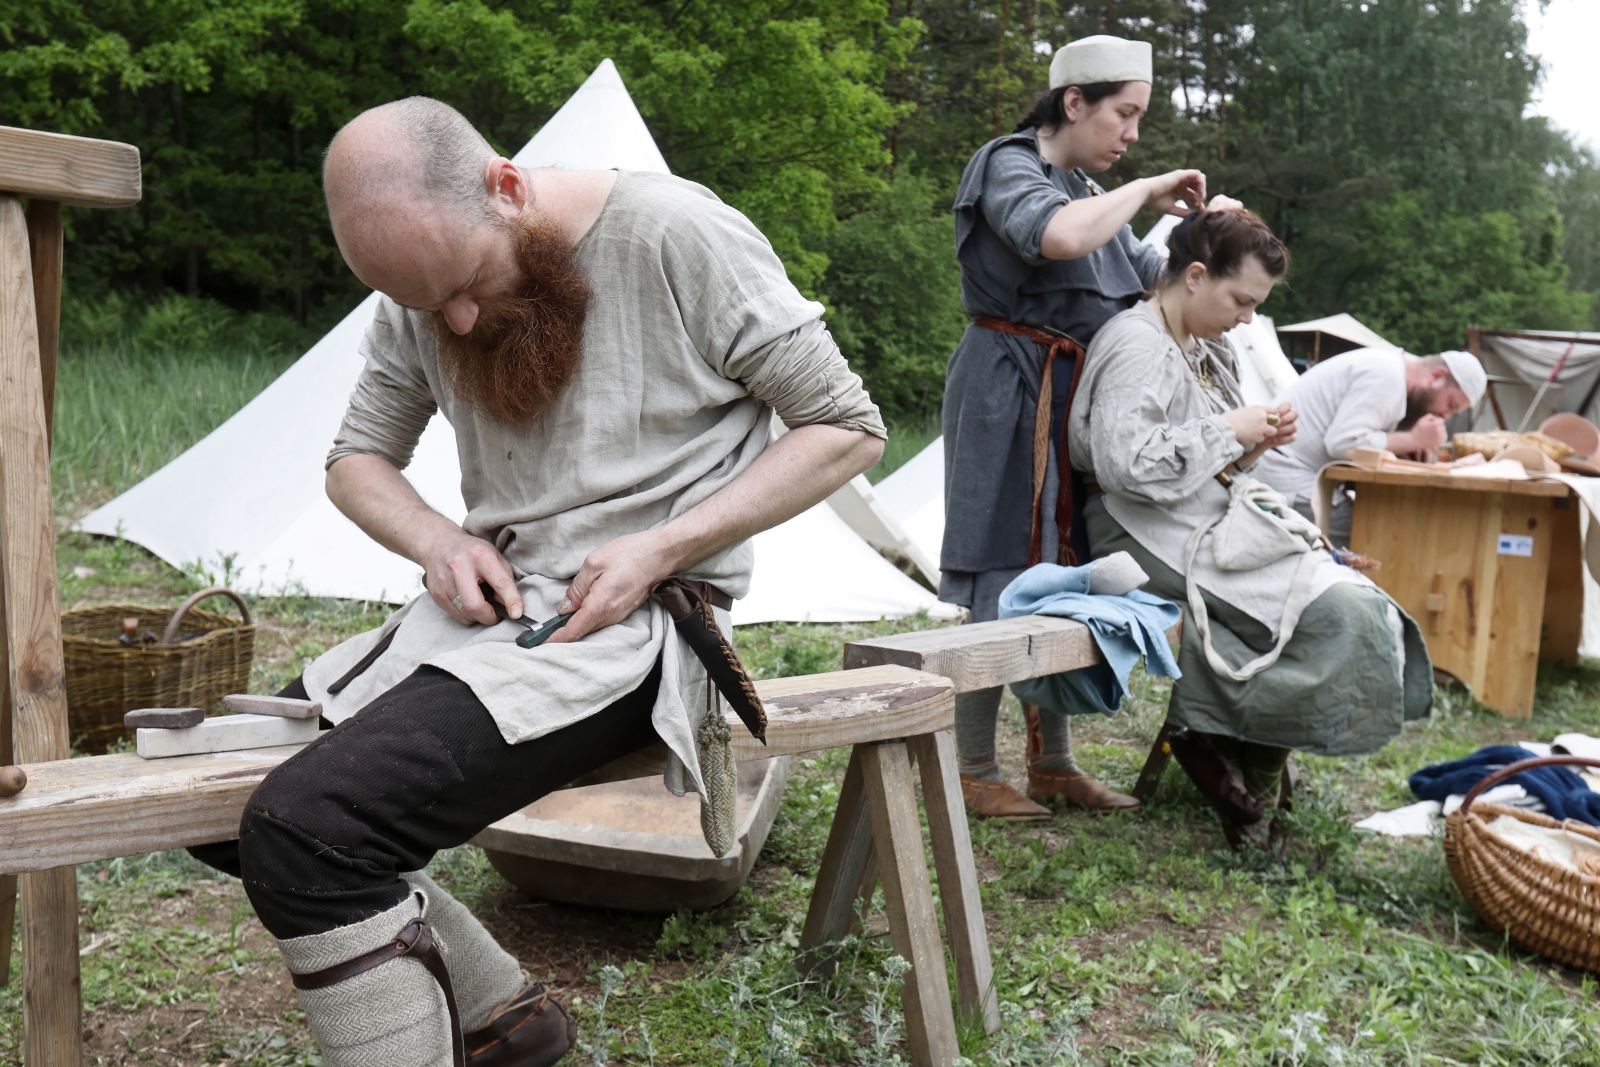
1490	568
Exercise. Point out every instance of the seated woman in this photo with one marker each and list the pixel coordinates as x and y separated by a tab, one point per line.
1290	650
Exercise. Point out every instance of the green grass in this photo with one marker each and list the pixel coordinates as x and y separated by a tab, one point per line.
121	414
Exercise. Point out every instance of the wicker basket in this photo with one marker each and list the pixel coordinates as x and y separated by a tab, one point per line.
106	679
1543	907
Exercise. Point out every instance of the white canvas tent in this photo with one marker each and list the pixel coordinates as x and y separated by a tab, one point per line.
247	501
914	494
1521	364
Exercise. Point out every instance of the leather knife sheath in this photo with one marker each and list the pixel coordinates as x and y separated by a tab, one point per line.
697	625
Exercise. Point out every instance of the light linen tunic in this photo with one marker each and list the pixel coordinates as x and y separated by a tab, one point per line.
694	337
1349	401
1150	429
1147	424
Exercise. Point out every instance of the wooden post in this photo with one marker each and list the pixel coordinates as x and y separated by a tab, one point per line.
46	249
34	672
958	877
908	897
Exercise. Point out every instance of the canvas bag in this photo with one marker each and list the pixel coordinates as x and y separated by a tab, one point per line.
1258	528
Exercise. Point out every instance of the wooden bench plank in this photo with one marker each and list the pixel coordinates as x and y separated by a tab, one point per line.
82	171
987	654
99	807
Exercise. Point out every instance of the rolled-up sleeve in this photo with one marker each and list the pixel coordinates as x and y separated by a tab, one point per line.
392	402
752	325
1019	200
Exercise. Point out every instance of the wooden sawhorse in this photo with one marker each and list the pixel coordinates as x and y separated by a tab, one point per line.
86	810
50	170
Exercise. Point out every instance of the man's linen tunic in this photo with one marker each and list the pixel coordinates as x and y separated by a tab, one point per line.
1349	401
695	335
1147	424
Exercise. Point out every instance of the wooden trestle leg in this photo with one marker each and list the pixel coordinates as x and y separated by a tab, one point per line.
958	877
908	898
845	861
31	648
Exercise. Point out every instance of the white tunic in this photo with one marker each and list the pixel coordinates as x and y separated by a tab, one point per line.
1349	401
694	335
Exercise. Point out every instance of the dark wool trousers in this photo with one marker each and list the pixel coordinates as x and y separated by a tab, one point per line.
423	767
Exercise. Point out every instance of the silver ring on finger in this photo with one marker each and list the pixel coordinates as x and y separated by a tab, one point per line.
457	602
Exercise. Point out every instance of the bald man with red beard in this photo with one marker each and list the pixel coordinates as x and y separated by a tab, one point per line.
609	348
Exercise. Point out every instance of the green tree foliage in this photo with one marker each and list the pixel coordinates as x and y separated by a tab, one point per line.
1417	279
895	295
776	106
1342	121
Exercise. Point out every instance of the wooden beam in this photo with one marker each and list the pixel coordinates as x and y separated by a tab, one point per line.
35	676
987	654
80	171
83	810
45	245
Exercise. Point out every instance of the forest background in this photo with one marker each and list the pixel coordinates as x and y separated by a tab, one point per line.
1384	140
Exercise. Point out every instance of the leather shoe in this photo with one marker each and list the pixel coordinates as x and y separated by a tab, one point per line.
532	1030
1216	779
997	800
1077	789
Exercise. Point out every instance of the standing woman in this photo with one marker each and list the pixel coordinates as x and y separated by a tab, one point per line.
1047	258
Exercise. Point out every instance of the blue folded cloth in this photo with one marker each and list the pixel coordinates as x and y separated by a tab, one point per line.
1565	794
1125	628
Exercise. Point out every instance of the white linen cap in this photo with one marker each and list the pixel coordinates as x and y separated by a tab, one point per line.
1468	373
1100	58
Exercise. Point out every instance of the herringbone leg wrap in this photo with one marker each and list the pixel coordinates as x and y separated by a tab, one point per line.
393	1015
484	975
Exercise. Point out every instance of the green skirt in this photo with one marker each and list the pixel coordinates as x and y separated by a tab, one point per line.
1336	690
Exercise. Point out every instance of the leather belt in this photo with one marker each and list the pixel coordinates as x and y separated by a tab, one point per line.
709	593
1054	344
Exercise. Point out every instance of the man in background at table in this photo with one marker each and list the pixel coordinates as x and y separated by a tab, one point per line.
1362	399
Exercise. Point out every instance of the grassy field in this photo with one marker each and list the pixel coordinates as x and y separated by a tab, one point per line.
1119	940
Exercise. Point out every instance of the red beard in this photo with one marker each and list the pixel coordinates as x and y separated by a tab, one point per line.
526	344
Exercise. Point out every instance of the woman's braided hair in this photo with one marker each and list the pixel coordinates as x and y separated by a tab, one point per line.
1220	240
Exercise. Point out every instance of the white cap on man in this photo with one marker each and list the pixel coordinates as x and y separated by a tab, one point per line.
1098	59
1468	373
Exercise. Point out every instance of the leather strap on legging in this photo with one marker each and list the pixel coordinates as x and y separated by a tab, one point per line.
415	940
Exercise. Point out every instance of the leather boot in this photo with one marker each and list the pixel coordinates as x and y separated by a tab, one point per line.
532	1030
1218	781
1077	789
998	800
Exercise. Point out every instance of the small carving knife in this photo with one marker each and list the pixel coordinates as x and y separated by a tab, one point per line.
537	632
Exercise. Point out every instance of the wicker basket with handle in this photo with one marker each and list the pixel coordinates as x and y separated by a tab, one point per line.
200	658
1542	906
